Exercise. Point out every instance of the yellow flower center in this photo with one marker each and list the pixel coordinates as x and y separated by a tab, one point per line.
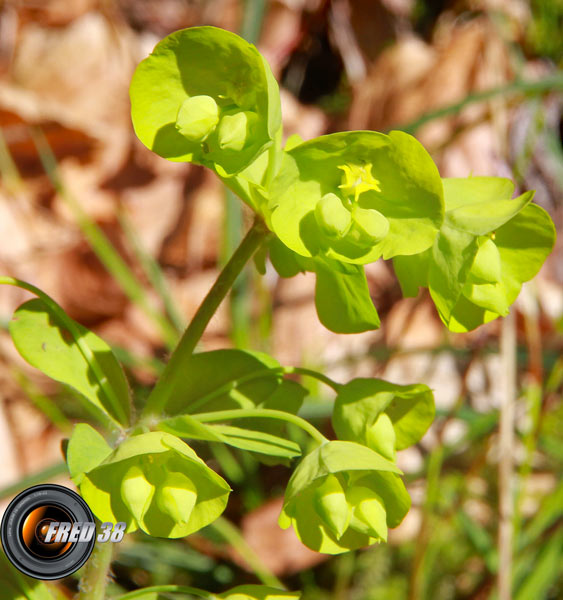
357	179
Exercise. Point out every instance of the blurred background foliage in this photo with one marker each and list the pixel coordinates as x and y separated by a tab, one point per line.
129	245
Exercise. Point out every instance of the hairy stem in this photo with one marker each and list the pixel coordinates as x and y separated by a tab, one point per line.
174	370
237	413
93	582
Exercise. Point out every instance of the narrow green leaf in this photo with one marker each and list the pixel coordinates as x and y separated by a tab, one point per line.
257	441
546	570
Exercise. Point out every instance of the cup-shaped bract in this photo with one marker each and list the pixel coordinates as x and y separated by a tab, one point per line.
382	415
356	196
155	482
488	246
206	96
344	496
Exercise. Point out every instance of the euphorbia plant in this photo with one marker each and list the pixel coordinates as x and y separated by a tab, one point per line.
329	206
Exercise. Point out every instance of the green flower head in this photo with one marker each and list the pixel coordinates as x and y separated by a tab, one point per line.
344	496
381	415
154	482
356	196
488	246
206	96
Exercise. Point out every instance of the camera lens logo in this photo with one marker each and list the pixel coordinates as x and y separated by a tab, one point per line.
48	532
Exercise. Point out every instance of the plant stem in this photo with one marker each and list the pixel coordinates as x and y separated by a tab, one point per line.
171	589
174	370
310	373
506	449
231	534
93	582
237	383
238	413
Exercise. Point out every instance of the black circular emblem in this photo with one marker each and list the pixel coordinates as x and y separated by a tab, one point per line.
30	526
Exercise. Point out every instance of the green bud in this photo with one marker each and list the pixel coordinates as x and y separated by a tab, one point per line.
330	502
177	497
381	436
486	266
370	226
332	217
235	130
369	514
136	491
197	118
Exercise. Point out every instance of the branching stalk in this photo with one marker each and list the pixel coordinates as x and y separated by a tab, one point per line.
94	581
229	415
174	370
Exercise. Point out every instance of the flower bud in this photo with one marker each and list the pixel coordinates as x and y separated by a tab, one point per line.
369	516
197	118
332	217
136	491
486	267
177	497
235	130
370	226
330	502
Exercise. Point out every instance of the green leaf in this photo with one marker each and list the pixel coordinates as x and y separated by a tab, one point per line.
86	450
523	244
83	361
285	261
171	116
246	439
381	436
392	177
157	483
342	298
479	205
487	247
546	570
17	586
257	441
335	457
452	256
224	379
360	402
257	592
